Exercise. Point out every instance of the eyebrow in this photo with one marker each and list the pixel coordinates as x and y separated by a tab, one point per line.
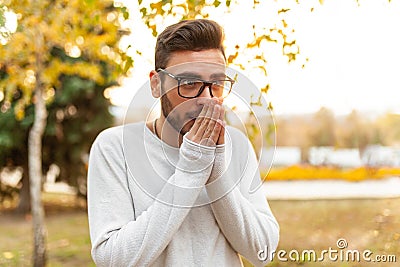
218	75
188	74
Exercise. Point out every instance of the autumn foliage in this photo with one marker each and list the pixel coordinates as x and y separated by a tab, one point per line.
298	172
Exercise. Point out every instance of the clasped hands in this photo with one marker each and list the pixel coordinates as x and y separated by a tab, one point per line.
209	127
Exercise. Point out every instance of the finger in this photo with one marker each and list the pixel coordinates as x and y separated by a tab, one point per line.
204	122
221	138
202	100
193	133
215	134
211	124
198	120
222	113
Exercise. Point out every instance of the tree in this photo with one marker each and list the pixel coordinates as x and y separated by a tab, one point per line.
355	132
87	31
323	131
77	114
389	128
2	18
3	29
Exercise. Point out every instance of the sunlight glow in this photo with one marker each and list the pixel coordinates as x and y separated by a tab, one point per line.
350	53
10	25
72	50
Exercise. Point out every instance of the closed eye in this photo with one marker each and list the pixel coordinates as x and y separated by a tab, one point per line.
189	82
219	82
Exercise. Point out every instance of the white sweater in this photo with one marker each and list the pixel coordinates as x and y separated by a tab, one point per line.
148	204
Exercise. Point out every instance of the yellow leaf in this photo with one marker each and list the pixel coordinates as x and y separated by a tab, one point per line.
8	255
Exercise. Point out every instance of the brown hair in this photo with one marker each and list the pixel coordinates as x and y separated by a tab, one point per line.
188	35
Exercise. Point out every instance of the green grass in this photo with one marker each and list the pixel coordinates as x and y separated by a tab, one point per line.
317	225
68	240
365	224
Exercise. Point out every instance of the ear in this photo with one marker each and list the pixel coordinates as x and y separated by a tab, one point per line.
155	84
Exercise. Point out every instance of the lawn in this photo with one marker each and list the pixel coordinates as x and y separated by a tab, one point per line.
364	224
317	225
68	236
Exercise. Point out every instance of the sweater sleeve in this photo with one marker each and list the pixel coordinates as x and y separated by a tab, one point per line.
118	239
244	218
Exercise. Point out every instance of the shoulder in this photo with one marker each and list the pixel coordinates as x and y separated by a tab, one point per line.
114	136
240	145
109	144
109	134
110	137
237	137
235	131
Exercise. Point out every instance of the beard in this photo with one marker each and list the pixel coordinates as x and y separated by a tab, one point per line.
182	123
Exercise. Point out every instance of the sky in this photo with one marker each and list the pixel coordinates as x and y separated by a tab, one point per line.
353	56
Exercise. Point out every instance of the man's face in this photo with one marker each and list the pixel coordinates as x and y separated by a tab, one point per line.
207	65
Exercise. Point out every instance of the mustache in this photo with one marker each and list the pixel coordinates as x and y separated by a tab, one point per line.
194	114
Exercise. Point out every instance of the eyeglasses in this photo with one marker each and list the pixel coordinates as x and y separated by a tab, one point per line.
190	87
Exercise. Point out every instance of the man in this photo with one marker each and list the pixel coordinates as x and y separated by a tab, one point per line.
175	191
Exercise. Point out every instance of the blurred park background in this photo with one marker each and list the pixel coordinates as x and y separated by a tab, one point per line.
327	69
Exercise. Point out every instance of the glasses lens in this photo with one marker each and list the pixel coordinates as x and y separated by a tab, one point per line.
221	88
189	87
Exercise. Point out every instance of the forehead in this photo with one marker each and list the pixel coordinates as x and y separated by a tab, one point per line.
203	63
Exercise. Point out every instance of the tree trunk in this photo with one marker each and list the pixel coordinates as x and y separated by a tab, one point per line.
24	204
35	174
35	156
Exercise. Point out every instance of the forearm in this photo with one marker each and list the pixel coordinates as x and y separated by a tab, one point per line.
247	229
121	240
247	223
139	242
